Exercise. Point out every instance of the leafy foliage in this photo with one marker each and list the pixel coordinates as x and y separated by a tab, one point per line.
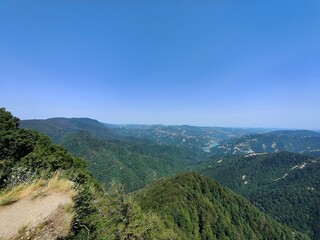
119	217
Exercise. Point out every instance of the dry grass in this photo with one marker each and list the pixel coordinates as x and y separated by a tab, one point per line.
40	188
61	185
58	224
10	197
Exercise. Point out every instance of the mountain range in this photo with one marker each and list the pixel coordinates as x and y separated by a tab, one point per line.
183	206
298	141
277	171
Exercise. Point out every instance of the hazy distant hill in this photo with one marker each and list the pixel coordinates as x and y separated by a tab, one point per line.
203	138
285	185
55	128
199	208
300	141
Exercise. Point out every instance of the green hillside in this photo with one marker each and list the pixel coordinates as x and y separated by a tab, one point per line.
199	208
285	185
132	163
295	200
247	173
130	160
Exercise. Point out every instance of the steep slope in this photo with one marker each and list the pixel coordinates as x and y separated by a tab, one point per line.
294	200
300	141
200	208
247	173
285	185
133	164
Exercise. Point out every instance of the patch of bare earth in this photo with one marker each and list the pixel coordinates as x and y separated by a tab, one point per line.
40	217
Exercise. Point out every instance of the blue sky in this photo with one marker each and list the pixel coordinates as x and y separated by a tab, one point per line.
214	63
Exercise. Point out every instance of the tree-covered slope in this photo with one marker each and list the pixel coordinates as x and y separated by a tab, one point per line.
132	163
285	185
55	128
294	200
245	174
200	208
300	141
130	160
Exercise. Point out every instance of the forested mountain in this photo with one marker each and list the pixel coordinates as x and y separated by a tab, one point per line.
299	141
294	201
199	208
132	163
55	128
247	173
203	138
285	185
130	160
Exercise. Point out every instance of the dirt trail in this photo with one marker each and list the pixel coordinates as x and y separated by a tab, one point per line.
29	212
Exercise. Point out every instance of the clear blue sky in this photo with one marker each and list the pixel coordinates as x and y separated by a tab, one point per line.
217	63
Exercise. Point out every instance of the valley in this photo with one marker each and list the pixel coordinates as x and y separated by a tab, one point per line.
152	169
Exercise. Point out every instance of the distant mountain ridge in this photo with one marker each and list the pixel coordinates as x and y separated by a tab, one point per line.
55	128
203	138
193	137
298	141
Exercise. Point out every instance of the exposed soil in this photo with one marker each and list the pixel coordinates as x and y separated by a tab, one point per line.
29	213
